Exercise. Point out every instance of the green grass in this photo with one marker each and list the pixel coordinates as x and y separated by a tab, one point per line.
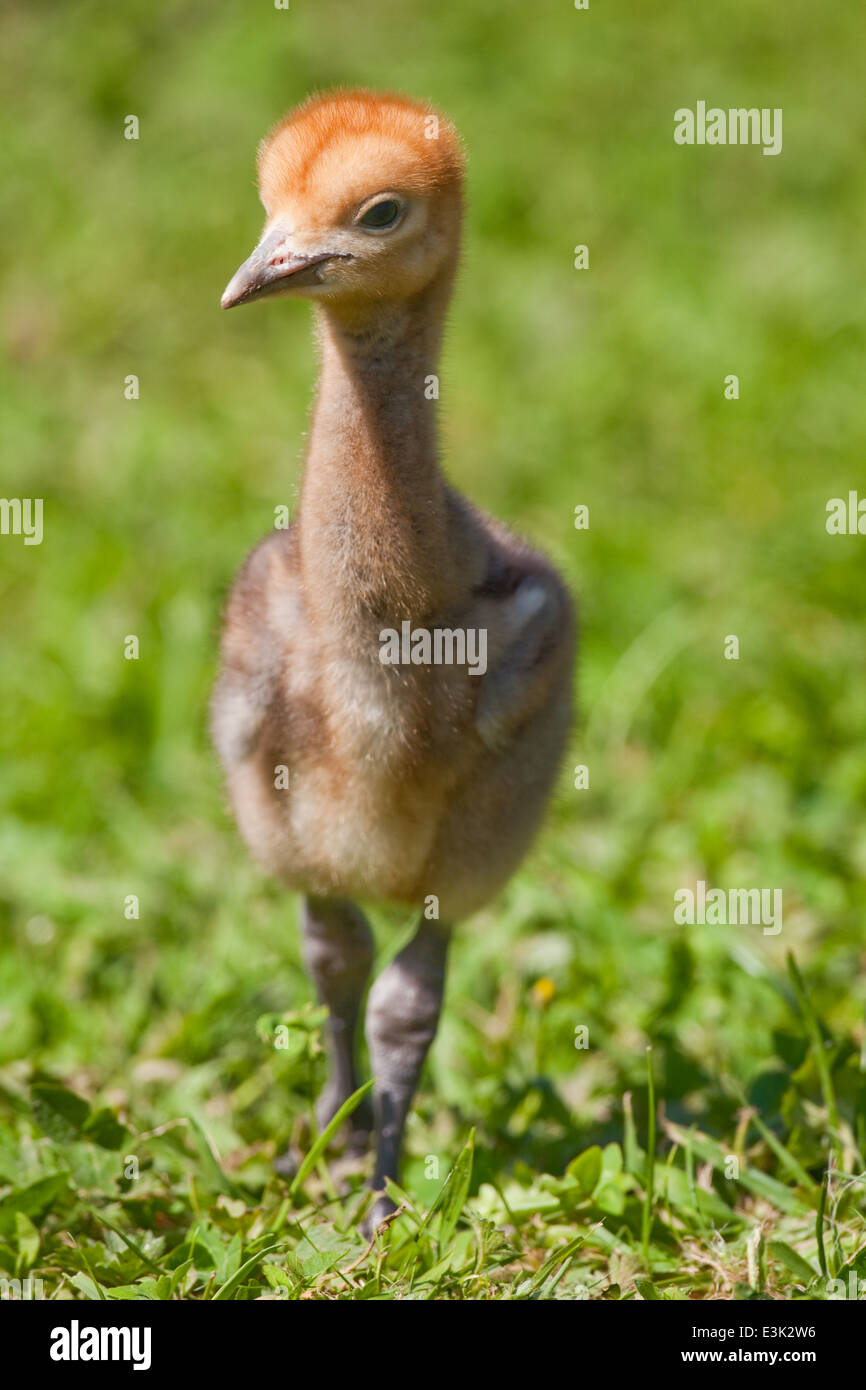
560	387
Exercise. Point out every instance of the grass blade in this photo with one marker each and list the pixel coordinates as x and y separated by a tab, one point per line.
228	1288
327	1135
649	1177
813	1029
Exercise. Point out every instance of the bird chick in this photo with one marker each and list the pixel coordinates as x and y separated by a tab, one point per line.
356	774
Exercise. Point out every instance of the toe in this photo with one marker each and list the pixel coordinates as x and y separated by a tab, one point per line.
381	1208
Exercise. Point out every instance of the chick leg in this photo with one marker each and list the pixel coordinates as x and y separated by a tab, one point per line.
338	949
402	1017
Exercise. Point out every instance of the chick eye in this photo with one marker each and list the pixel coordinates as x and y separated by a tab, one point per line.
381	215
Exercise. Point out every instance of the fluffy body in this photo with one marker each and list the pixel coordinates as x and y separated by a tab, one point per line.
401	782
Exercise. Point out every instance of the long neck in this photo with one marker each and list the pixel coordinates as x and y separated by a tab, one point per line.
373	521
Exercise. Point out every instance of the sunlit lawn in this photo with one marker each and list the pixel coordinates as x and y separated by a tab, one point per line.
602	387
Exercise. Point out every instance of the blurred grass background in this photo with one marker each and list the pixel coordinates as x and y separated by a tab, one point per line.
603	387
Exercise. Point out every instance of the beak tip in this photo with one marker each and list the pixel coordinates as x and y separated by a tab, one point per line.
271	264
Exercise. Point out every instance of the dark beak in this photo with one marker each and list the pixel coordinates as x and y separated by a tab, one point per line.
272	268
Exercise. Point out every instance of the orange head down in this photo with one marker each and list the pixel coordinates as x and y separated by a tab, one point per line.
363	200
